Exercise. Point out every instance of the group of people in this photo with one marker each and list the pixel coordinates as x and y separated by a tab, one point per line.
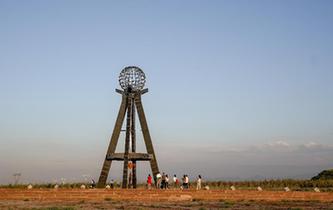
162	181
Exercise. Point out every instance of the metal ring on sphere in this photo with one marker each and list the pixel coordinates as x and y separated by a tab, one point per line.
132	77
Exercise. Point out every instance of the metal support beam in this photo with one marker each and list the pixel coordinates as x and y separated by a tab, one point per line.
146	135
133	143
113	142
127	142
144	91
131	156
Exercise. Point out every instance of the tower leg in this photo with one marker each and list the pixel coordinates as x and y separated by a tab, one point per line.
127	142
113	142
146	136
133	145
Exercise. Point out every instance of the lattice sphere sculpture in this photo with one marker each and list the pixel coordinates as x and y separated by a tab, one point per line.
132	77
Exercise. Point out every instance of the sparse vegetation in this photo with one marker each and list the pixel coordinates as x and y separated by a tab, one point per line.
279	184
325	185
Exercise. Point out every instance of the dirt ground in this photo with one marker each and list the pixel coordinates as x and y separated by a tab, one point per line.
161	199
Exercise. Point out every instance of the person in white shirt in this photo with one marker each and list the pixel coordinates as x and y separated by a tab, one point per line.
199	183
175	181
166	181
159	179
186	182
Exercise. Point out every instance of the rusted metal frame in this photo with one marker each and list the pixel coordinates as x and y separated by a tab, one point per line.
129	102
133	138
127	142
131	157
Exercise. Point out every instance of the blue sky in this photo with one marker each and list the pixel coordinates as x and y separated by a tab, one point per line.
247	83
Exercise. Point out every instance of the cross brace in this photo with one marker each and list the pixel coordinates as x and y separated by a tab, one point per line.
131	156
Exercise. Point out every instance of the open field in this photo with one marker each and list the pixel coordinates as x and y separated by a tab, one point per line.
161	199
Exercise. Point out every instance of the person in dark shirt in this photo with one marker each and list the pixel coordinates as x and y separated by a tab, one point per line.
163	181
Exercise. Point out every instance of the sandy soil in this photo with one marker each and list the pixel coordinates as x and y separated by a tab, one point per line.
161	199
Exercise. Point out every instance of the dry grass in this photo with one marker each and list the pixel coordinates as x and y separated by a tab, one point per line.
160	199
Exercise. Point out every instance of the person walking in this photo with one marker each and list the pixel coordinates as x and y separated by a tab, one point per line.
93	183
175	181
130	180
199	183
159	179
166	181
149	182
186	182
112	184
163	181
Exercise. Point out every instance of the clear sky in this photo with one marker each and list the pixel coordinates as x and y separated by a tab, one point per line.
237	89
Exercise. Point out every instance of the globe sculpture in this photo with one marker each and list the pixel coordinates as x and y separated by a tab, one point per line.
132	80
132	77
